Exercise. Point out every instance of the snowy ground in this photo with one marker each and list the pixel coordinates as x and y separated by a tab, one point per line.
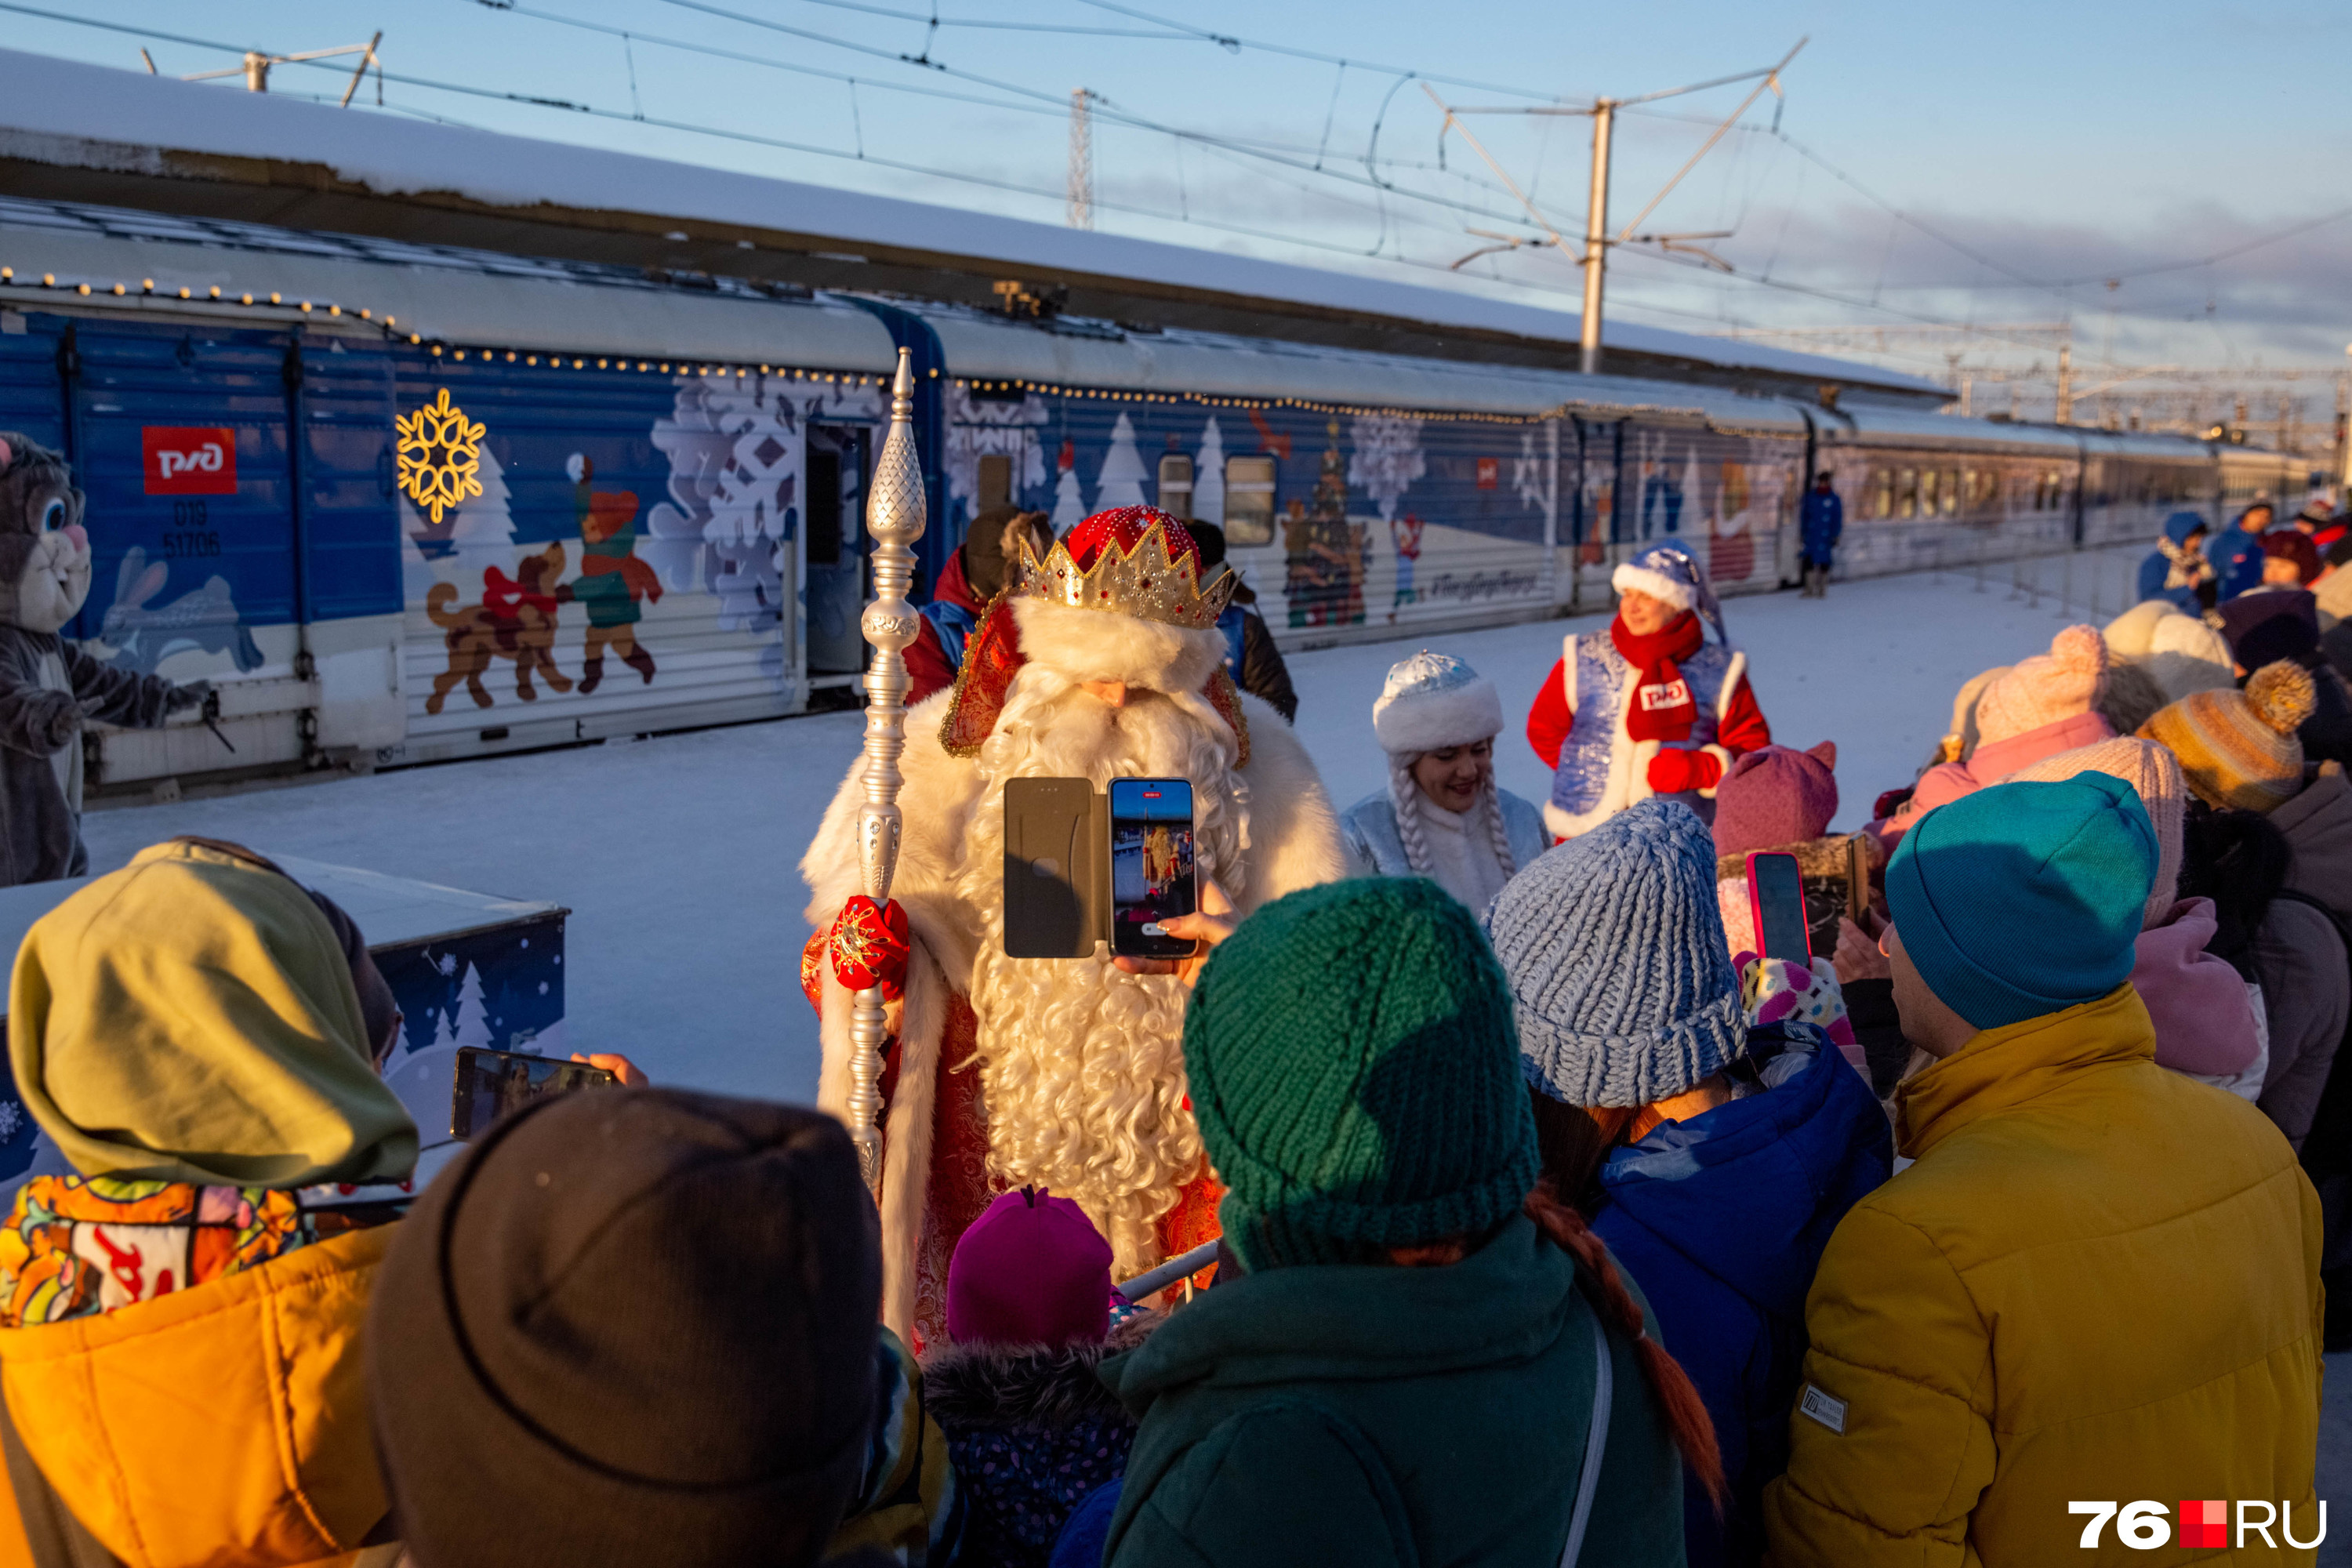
676	855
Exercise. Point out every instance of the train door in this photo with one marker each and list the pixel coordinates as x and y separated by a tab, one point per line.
837	466
180	440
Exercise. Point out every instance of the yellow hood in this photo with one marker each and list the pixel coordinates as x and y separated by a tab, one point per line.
223	1425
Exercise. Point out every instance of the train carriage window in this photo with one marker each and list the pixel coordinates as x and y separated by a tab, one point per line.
1951	491
825	507
1906	492
1249	500
1928	492
1969	489
995	482
1882	493
1176	485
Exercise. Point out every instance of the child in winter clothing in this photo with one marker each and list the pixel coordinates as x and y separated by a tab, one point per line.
2289	559
2289	949
2177	571
1404	1371
2284	623
2208	1025
2239	749
1251	656
1727	1149
973	576
1030	1427
1649	706
1443	815
181	1319
640	1328
2238	558
2043	706
2029	1234
1779	800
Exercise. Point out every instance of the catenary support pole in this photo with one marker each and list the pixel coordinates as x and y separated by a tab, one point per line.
894	517
1596	238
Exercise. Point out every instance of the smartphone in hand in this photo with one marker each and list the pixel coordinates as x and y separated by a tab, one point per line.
1152	873
491	1084
1776	893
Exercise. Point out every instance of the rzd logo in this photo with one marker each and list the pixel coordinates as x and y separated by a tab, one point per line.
2204	1524
188	459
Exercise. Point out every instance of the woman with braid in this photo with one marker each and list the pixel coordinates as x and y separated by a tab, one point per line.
1442	815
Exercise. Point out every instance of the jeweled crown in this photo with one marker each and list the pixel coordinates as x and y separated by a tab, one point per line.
1137	560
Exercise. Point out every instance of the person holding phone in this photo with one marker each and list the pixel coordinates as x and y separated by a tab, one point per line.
1443	815
1102	662
1648	706
1715	1153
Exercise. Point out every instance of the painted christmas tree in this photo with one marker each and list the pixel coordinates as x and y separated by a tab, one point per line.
1209	476
473	1019
443	1038
1121	480
1069	505
485	519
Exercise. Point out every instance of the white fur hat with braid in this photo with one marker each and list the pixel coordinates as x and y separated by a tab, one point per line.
1434	700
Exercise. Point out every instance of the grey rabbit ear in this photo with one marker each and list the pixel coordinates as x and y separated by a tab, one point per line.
135	558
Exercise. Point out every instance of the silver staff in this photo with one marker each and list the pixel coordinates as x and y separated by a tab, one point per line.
894	516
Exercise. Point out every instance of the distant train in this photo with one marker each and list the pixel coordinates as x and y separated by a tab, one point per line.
404	504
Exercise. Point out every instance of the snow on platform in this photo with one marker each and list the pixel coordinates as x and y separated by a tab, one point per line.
678	854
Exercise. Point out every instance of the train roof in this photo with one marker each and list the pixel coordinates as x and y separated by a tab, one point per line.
80	132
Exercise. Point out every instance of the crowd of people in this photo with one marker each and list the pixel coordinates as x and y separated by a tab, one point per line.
1554	1221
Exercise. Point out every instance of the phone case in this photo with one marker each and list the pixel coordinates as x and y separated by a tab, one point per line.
1056	867
1755	909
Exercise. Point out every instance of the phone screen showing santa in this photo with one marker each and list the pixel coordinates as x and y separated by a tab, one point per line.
1151	877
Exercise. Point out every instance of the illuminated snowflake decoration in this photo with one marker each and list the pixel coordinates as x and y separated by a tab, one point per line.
440	456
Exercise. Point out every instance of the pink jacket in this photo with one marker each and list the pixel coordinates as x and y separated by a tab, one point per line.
2204	1015
1991	762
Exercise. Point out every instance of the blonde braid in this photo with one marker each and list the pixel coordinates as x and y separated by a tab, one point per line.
1404	795
1496	833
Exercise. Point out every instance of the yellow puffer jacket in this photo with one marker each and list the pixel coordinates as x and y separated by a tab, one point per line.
2099	1283
223	1425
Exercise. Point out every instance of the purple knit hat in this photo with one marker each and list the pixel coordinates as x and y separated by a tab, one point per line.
1032	1270
1774	796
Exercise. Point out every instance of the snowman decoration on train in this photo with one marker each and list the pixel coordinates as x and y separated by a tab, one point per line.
49	687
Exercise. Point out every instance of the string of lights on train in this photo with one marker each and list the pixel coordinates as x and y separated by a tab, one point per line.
276	301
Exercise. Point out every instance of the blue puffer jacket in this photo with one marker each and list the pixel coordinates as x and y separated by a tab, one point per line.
2238	557
2153	570
1722	1219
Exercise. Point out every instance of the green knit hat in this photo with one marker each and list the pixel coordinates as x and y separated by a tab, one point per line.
1356	1075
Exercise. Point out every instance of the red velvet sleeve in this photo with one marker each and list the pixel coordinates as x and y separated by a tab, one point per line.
927	669
1743	728
1550	721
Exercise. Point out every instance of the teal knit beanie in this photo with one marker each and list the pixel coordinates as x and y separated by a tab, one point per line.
1355	1076
2025	899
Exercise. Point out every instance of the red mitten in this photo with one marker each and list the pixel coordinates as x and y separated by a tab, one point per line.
1679	771
870	946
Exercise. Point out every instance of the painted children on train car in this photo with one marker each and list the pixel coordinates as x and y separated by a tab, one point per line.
612	581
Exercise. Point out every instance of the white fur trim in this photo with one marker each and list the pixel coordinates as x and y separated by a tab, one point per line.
1724	759
1628	577
1637	776
1294	839
1734	673
1104	645
1417	721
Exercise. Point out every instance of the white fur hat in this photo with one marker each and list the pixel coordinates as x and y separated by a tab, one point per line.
1434	700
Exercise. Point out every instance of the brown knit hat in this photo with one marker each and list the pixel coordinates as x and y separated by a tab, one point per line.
2239	749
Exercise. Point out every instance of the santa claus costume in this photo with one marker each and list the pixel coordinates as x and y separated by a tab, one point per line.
1624	716
1103	660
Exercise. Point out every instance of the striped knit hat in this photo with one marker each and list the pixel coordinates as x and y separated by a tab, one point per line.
1620	977
2239	749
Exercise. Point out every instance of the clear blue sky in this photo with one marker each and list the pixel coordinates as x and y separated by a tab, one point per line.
2058	145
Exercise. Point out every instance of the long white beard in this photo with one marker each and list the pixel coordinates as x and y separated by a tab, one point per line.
1083	1063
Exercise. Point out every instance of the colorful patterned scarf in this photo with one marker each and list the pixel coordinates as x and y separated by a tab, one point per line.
75	1247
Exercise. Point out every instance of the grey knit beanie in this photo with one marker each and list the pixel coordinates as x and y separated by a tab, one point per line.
1614	949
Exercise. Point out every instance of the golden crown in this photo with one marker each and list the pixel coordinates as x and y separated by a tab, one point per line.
1149	579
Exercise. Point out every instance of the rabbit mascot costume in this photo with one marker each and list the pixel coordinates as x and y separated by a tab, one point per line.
47	686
